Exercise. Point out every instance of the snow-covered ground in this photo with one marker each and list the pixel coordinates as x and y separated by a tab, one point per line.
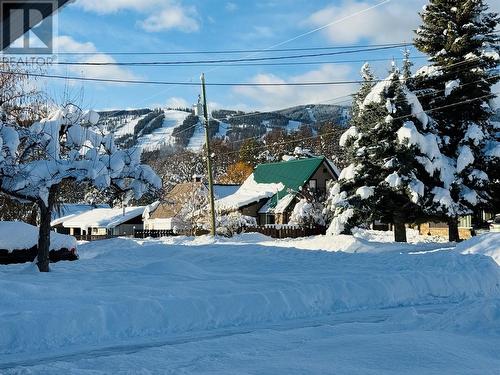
197	141
293	126
253	305
130	122
163	136
224	127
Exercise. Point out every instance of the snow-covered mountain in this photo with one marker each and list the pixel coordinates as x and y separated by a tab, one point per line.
152	129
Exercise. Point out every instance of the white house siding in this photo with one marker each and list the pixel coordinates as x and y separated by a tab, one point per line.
158	224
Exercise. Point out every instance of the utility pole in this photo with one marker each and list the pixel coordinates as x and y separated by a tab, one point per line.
209	157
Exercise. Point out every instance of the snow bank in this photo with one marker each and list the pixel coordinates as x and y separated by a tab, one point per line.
485	244
129	290
363	241
16	235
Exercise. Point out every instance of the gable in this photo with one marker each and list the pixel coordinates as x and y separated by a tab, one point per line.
175	200
292	174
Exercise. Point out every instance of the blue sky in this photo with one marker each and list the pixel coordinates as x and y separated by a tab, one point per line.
103	26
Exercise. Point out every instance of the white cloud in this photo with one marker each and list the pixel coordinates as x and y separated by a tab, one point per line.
258	32
276	97
161	15
113	6
177	102
67	44
392	22
173	17
231	7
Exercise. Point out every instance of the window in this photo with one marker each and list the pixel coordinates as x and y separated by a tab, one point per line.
465	222
313	184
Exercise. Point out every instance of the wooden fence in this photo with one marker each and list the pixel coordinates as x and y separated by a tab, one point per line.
272	230
286	231
94	237
153	233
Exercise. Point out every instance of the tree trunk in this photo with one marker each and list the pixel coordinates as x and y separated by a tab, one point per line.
399	230
453	235
44	231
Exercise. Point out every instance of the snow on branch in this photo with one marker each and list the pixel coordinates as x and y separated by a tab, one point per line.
67	145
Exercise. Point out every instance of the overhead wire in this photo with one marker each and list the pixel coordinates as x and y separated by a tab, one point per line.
239	51
214	61
374	123
260	137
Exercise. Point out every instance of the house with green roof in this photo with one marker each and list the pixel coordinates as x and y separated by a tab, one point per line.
270	193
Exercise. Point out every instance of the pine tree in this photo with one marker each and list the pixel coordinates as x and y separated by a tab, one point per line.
407	65
459	36
392	158
365	88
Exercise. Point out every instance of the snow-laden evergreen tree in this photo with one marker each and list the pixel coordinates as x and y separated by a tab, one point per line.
365	88
407	65
460	38
35	161
393	158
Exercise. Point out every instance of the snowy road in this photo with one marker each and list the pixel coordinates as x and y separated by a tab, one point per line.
253	306
369	342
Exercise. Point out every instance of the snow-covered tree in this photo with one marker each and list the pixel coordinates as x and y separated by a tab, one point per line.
365	88
194	213
233	223
393	158
36	160
461	39
308	213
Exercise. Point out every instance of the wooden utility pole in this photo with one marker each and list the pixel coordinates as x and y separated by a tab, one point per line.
209	157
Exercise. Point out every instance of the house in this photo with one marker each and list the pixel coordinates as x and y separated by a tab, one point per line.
270	193
106	221
182	205
465	226
67	211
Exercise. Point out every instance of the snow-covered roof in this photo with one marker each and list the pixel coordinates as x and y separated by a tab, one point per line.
280	207
274	178
103	217
16	235
69	210
250	192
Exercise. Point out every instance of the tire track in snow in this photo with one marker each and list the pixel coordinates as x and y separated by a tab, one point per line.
369	316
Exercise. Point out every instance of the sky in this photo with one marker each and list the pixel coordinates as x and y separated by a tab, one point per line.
101	27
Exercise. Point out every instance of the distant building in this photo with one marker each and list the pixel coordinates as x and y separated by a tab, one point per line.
183	204
466	228
67	211
270	193
105	221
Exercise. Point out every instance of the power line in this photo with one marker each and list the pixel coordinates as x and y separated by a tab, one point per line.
209	52
167	83
339	20
374	123
334	22
296	63
243	84
214	61
328	100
